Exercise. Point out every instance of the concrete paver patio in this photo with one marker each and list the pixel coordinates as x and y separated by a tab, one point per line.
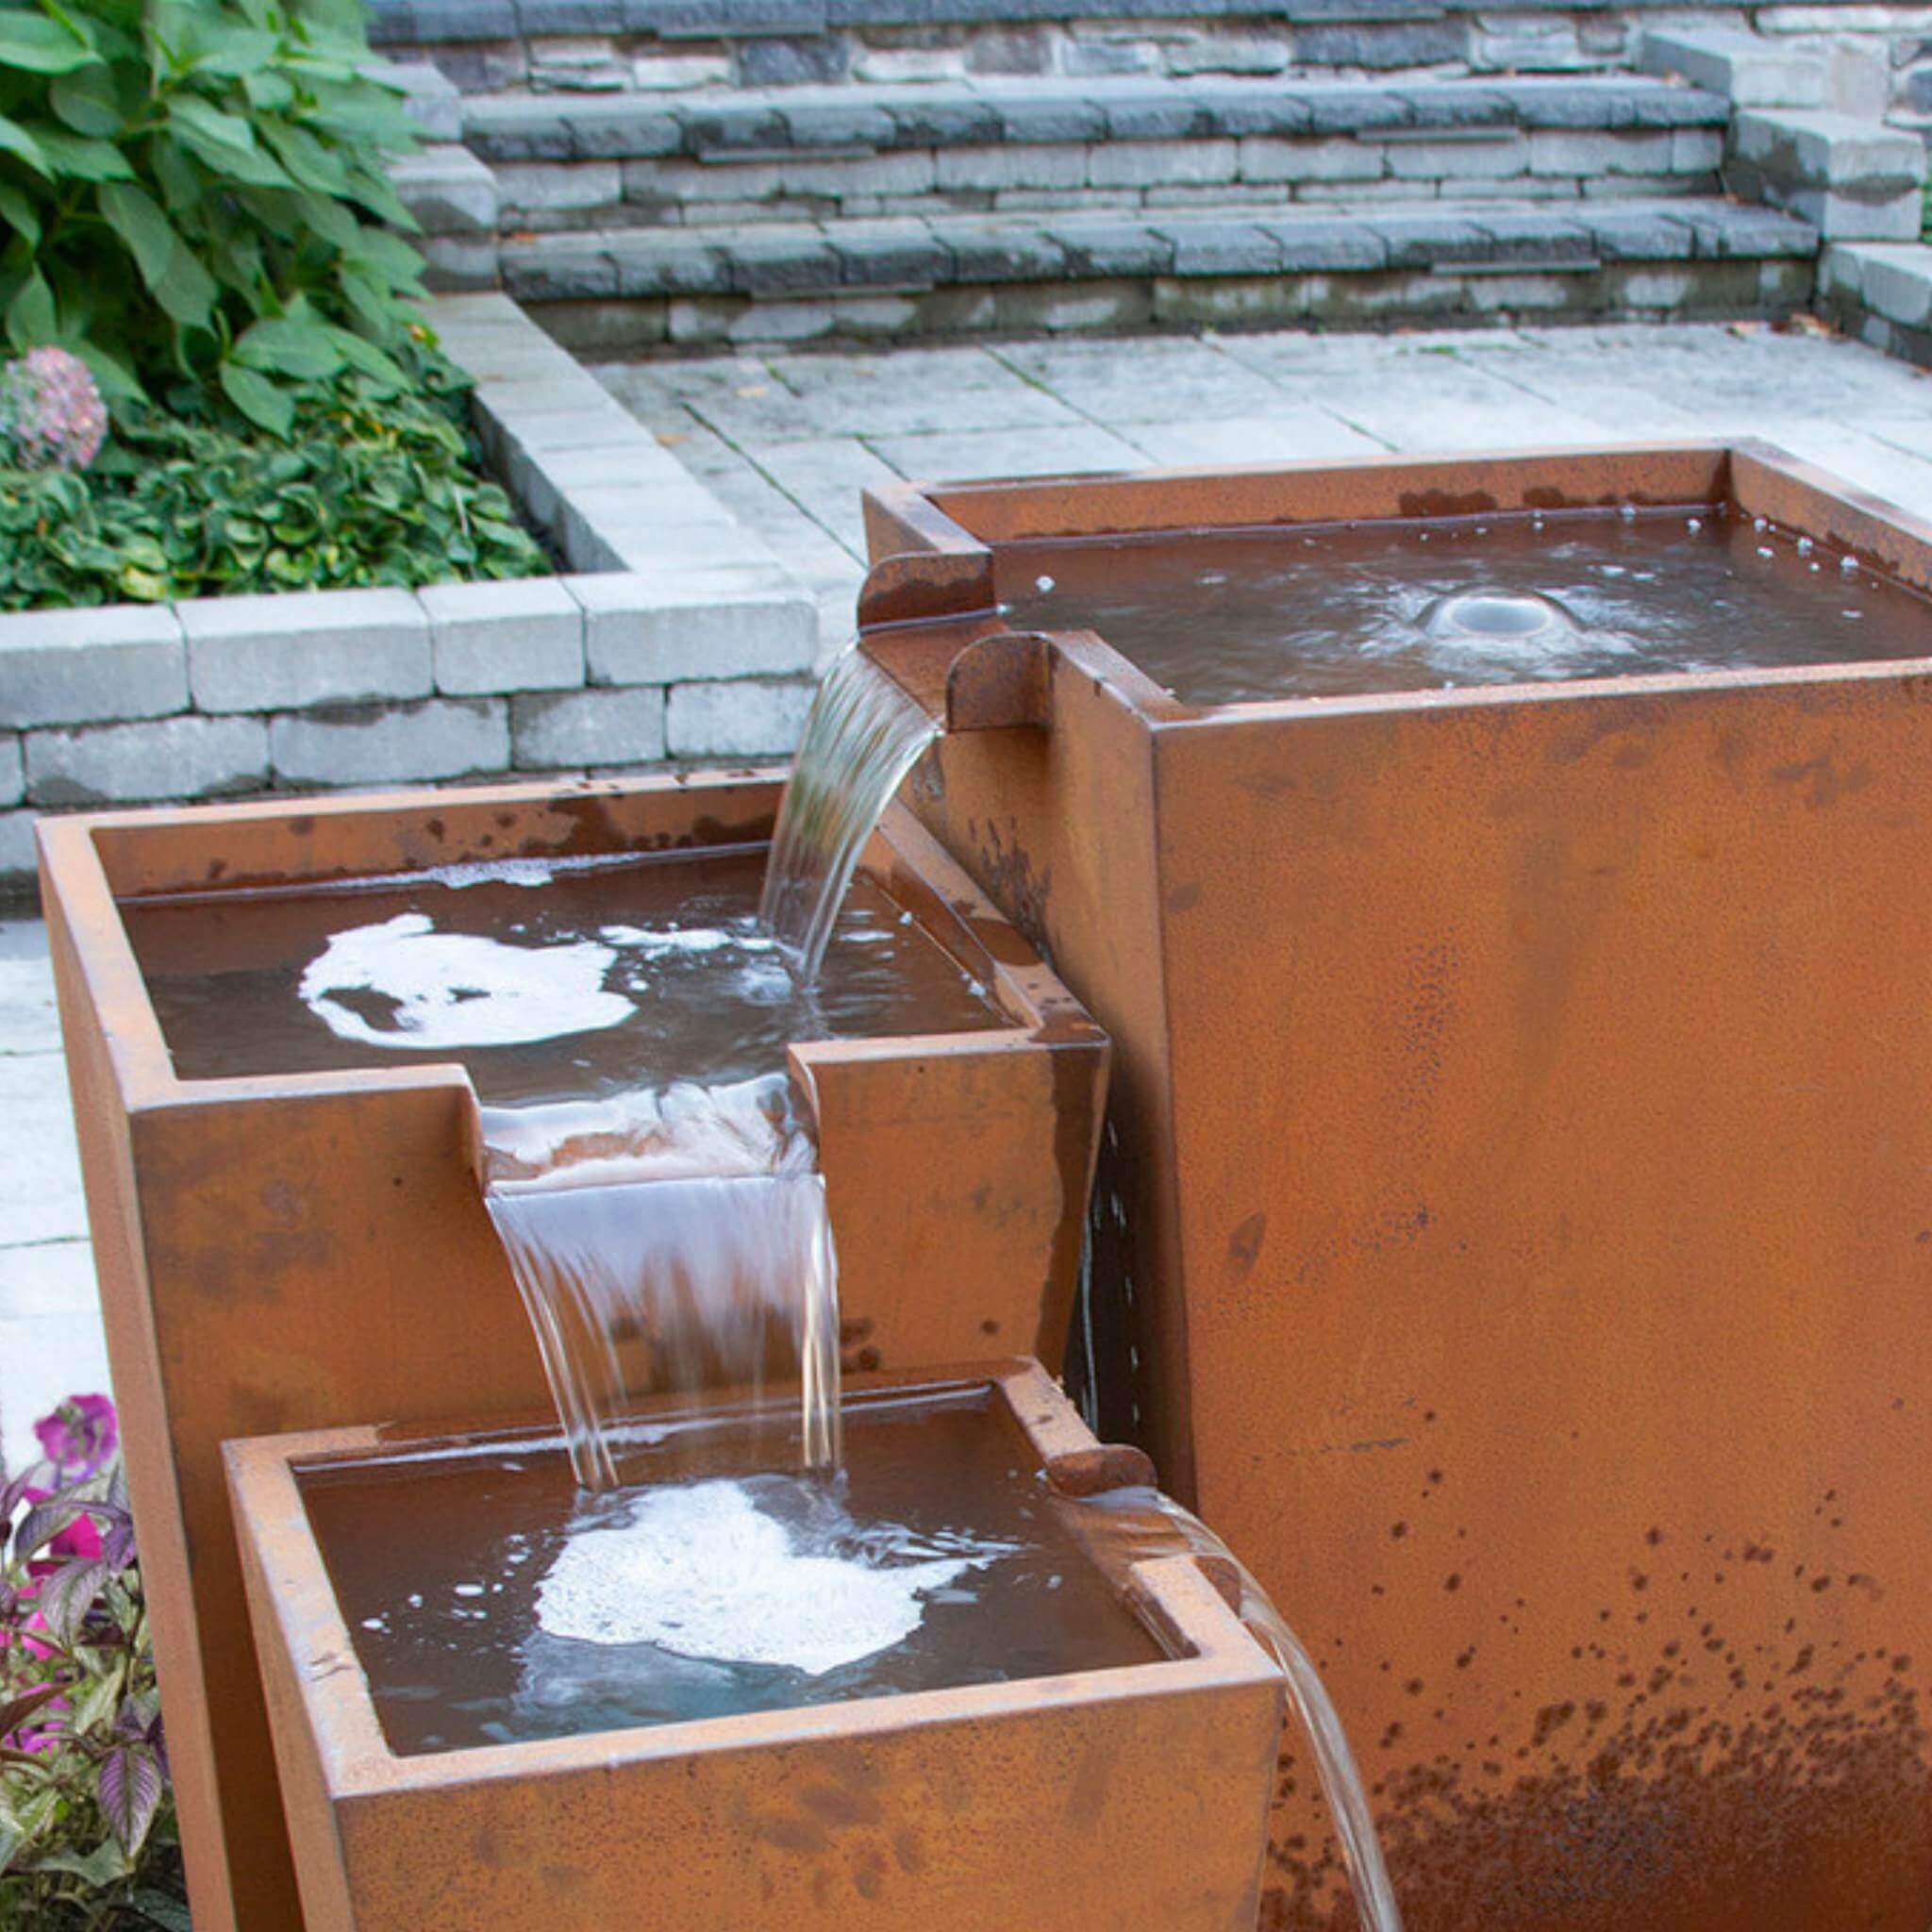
787	439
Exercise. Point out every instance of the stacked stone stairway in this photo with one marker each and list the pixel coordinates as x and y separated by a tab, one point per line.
638	219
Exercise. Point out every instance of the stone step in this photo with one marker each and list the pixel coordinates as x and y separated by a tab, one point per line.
855	153
743	124
1882	293
593	46
1224	267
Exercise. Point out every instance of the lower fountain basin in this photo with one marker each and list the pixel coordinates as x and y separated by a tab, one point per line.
290	1237
1056	1754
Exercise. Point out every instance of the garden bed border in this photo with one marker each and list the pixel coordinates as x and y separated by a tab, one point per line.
673	632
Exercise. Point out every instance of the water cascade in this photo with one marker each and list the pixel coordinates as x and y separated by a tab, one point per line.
863	735
669	1241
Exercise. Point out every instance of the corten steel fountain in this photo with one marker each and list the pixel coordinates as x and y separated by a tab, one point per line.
309	1250
1514	1230
1121	1781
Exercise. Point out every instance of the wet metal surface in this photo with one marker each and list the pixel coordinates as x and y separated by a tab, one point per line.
1513	1209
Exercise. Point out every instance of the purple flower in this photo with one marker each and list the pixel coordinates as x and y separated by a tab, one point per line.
51	412
79	1438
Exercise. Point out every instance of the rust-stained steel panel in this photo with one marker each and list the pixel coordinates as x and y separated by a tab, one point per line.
1521	1161
1088	1802
309	1251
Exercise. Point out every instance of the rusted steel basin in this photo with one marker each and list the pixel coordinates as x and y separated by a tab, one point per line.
1514	1217
308	1251
1092	1800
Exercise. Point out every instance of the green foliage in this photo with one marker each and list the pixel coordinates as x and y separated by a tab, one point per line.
197	188
371	485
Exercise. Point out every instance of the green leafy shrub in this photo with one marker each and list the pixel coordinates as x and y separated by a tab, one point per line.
87	1829
372	486
193	201
196	188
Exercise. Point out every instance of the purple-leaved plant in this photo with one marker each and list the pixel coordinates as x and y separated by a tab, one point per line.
87	1833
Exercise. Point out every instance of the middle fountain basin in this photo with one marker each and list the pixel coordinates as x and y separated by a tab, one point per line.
308	1249
1101	1756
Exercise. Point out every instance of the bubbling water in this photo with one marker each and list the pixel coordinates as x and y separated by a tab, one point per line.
863	735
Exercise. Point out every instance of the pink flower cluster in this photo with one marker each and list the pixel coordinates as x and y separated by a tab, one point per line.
51	412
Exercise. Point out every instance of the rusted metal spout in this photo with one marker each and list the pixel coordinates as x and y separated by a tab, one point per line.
963	682
931	622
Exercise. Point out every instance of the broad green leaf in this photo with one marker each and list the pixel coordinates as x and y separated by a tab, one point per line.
18	213
80	158
376	193
258	399
35	45
388	257
17	141
30	322
307	159
117	381
87	101
102	1867
298	349
168	1914
178	282
337	224
268	92
11	1838
235	53
240	164
190	113
363	355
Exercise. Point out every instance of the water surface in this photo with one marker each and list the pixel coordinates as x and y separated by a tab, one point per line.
1239	616
440	1566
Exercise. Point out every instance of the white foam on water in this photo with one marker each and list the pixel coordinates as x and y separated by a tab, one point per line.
458	990
702	1571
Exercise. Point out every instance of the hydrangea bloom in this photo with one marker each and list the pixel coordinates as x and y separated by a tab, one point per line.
51	412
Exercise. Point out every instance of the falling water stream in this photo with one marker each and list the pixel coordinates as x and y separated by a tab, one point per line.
862	736
669	1243
1141	1523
